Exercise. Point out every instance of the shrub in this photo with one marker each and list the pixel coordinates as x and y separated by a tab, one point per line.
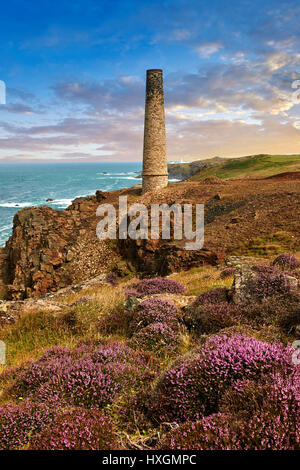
277	393
156	337
18	423
255	416
194	387
152	311
227	432
282	312
270	282
157	285
211	317
115	322
210	433
289	320
286	261
77	429
212	296
86	376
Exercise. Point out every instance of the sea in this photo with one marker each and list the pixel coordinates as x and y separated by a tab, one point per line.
31	184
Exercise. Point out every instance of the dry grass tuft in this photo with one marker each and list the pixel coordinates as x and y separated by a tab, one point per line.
199	280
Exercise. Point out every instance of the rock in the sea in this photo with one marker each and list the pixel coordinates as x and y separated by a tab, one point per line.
49	199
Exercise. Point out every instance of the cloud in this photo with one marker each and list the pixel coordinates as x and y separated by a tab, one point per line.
180	34
209	48
227	109
19	108
230	94
124	92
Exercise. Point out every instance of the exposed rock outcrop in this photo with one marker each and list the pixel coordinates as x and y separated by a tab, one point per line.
158	257
247	277
51	249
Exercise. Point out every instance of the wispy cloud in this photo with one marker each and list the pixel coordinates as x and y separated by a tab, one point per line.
227	79
209	48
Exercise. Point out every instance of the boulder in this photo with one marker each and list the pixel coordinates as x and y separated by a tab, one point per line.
100	196
247	288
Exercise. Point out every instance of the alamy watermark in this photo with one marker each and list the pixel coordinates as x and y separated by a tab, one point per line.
2	92
296	93
2	353
163	222
296	353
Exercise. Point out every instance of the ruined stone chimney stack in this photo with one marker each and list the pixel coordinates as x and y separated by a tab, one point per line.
155	169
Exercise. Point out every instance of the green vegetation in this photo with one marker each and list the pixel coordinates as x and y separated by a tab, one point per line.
268	245
184	171
254	165
101	375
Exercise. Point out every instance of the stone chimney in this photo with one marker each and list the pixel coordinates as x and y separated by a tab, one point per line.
155	169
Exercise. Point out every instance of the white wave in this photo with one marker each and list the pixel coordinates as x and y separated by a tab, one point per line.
127	178
117	173
16	204
5	228
62	202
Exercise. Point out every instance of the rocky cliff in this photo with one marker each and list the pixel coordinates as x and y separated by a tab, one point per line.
52	249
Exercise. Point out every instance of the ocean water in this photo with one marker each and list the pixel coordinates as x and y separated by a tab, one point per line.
30	184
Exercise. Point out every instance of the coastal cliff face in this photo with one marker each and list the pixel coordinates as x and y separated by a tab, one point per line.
52	249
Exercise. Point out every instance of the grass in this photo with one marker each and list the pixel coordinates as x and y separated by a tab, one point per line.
269	245
36	331
199	280
31	335
254	166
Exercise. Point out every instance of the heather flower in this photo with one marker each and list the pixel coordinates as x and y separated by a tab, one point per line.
157	285
18	423
286	261
156	337
270	282
261	415
77	429
86	376
154	310
131	292
204	318
226	432
210	433
194	387
212	296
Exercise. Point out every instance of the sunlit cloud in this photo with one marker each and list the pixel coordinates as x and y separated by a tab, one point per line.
228	82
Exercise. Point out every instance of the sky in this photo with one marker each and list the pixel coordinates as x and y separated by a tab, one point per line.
75	77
